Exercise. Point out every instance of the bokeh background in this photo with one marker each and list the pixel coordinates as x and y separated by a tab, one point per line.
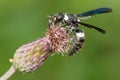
22	21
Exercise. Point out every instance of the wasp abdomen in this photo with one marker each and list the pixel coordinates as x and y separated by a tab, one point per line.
78	42
77	45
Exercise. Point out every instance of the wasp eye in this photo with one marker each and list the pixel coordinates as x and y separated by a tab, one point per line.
60	16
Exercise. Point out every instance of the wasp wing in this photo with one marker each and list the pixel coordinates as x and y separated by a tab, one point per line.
94	12
94	27
85	18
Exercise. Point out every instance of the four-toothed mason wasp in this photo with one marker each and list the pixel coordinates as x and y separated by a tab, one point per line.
72	22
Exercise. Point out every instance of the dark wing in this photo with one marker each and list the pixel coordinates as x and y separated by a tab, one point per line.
95	11
91	26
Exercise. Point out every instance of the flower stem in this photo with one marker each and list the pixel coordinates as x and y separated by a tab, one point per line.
8	73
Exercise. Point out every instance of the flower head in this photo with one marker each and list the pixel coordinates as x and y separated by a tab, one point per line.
30	56
58	38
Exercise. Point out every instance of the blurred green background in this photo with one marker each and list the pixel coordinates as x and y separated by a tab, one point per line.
22	21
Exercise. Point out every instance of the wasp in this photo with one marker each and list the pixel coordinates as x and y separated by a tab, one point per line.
72	22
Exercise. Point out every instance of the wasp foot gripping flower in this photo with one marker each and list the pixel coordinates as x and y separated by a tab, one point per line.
31	56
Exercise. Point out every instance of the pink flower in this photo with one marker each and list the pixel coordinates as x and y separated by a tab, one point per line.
30	56
58	38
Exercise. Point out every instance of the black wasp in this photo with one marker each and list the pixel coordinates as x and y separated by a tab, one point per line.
73	21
